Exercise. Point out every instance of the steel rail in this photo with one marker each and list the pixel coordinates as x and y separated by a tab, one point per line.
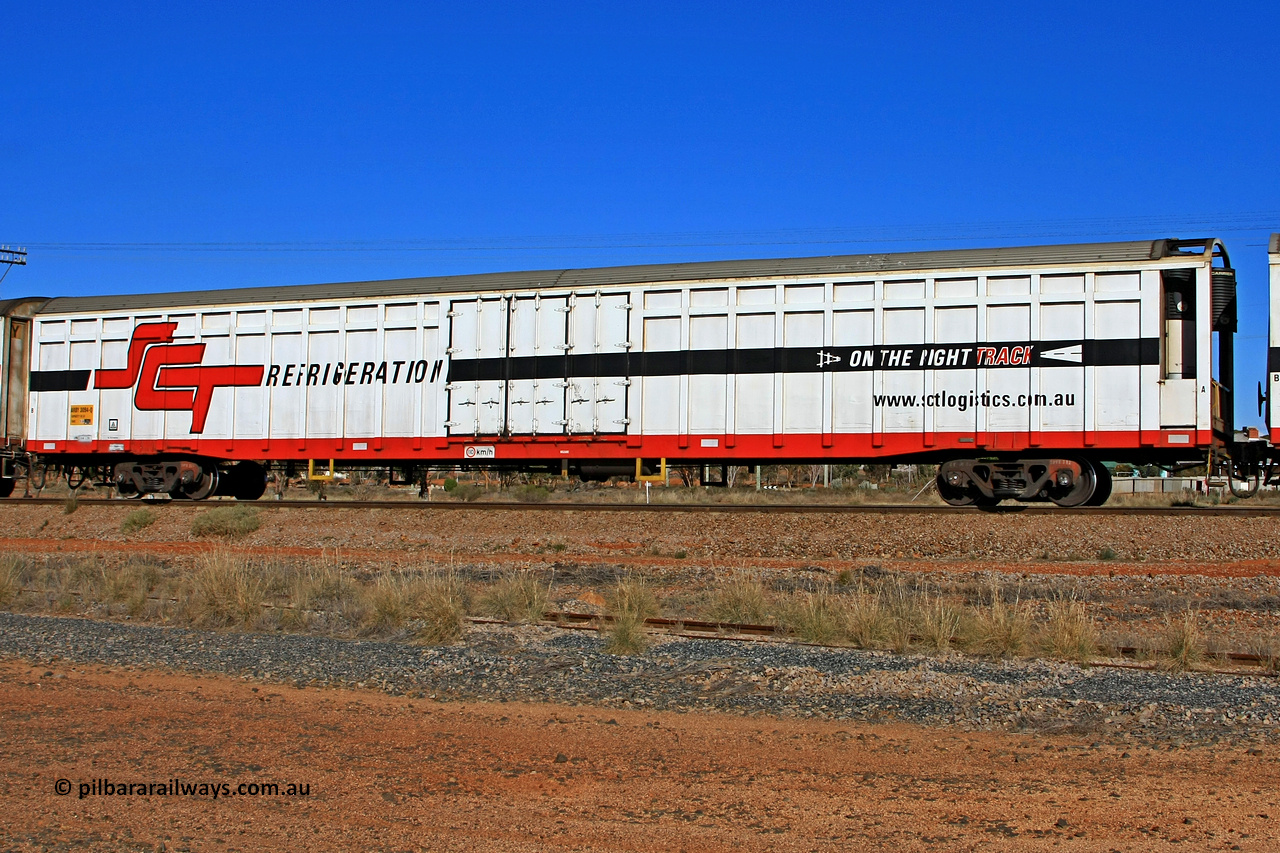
1235	511
1130	656
745	632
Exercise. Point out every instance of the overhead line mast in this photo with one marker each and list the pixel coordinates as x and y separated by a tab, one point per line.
12	258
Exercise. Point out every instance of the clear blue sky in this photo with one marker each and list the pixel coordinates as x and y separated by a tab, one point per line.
174	146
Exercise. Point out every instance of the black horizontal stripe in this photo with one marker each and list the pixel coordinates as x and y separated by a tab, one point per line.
1120	353
59	380
895	357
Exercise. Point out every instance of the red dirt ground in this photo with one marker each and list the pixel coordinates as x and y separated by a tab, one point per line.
1241	569
390	773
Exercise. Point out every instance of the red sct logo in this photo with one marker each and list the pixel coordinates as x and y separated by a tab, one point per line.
170	376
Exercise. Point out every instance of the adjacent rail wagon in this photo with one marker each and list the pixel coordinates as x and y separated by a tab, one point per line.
1019	371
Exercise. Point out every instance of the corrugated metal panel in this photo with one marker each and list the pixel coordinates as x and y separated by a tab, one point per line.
833	265
1274	247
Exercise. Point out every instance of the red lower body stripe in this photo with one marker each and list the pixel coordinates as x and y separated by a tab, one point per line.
756	447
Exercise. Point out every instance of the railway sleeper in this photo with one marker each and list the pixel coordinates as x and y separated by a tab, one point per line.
986	482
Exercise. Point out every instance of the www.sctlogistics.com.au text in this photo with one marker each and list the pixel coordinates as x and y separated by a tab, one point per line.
181	788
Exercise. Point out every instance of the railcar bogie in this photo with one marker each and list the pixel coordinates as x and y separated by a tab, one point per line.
189	478
1068	482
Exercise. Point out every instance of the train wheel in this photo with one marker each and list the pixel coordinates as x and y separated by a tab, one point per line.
1102	489
249	481
952	495
1081	491
202	488
6	486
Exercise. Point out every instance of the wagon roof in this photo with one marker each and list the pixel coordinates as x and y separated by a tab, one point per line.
832	265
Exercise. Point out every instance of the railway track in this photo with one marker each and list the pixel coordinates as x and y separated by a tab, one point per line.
1233	511
1130	657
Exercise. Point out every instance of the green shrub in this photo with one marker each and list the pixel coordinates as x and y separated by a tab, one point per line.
137	520
468	493
231	522
532	494
450	484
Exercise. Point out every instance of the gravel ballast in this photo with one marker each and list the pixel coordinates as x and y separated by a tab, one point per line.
539	663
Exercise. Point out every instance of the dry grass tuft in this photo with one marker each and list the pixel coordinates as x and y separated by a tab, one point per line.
902	613
393	600
1267	649
815	617
11	578
431	606
1070	632
321	597
132	586
938	623
516	597
440	607
1184	643
999	628
867	621
625	635
742	600
630	602
631	595
226	592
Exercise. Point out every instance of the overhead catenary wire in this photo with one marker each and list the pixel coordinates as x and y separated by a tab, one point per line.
1256	221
